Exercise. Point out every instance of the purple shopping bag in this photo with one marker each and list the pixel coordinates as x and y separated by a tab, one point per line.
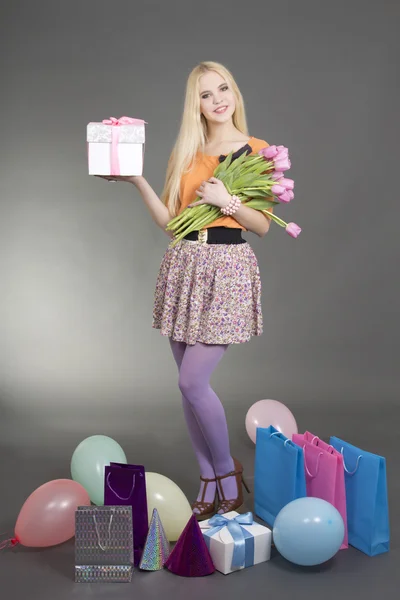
125	485
324	474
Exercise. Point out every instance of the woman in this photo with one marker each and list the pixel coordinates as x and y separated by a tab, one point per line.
208	290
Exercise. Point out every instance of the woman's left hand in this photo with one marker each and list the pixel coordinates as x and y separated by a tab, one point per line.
213	192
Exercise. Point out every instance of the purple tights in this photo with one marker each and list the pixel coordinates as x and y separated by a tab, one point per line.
204	413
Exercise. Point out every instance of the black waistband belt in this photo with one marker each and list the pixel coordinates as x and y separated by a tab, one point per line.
217	235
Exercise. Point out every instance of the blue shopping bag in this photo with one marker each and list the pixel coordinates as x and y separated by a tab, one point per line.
366	498
279	473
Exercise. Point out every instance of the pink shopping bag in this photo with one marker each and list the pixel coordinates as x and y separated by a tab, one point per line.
324	471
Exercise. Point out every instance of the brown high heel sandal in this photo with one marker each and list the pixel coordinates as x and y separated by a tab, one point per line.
235	503
206	509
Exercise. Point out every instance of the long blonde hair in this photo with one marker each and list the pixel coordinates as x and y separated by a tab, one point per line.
193	130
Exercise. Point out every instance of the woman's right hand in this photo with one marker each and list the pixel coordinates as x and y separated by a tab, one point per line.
127	178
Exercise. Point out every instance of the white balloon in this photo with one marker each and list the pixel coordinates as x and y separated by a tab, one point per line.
171	503
270	412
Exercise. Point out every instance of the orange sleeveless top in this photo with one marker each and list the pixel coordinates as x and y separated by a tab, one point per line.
203	169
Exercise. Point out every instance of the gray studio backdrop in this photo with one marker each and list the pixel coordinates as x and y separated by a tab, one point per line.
79	257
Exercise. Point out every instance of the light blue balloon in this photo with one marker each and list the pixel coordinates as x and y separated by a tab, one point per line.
88	462
308	531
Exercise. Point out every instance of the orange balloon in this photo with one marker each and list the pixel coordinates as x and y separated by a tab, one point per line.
47	517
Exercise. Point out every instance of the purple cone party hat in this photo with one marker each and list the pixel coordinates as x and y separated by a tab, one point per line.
190	556
156	549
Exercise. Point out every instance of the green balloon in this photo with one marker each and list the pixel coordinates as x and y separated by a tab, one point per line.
88	462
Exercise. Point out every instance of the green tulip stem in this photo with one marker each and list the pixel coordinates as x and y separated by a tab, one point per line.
275	218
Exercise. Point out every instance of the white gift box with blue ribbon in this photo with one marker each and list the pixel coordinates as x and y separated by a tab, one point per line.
236	541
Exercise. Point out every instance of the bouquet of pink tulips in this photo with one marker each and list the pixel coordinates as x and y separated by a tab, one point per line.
258	181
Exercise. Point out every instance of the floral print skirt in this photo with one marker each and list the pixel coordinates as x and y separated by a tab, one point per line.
209	293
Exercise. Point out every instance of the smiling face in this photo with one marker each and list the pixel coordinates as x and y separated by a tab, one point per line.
217	101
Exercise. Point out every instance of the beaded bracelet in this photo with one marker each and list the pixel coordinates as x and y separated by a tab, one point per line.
232	207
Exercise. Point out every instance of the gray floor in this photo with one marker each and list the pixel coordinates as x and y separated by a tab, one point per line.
48	574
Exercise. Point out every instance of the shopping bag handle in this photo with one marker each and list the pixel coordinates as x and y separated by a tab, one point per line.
114	492
329	448
305	463
288	441
344	463
109	530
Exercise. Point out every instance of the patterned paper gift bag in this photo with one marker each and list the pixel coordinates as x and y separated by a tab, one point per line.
103	544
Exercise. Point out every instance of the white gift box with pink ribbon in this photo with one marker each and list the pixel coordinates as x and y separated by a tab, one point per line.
116	146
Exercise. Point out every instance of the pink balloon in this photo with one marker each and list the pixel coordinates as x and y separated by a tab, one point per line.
270	412
47	517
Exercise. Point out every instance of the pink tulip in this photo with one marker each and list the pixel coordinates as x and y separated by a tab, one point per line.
276	175
282	165
278	190
282	154
293	229
268	152
290	193
287	183
285	197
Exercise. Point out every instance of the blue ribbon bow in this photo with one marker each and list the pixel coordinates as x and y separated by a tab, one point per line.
238	533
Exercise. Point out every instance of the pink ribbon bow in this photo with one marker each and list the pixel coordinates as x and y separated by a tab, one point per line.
123	121
115	137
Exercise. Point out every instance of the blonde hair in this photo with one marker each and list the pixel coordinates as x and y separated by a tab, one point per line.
193	130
